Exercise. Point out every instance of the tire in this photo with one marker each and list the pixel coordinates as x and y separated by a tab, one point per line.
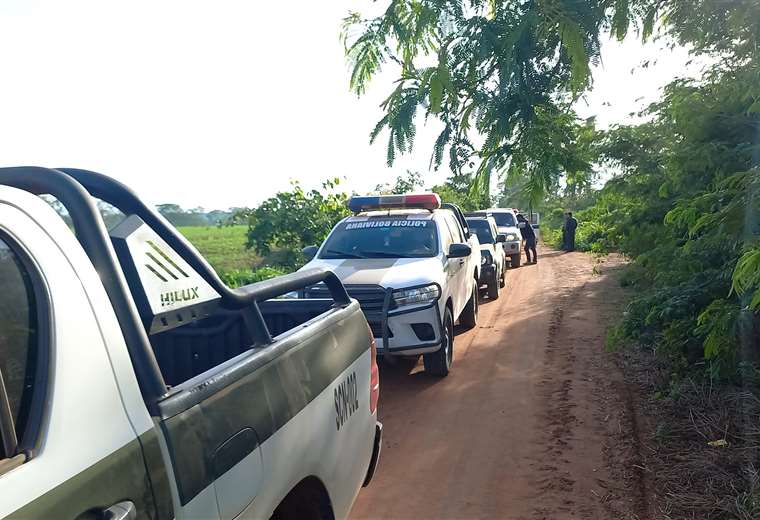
469	316
493	286
503	279
515	259
438	363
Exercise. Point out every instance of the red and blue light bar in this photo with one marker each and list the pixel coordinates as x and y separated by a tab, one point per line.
428	201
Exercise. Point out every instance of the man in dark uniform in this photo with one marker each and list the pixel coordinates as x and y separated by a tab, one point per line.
529	236
568	232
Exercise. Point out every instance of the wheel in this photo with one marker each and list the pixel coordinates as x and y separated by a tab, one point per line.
469	316
515	259
493	286
438	363
503	279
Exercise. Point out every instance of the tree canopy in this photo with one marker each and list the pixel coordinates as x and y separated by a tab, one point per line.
500	75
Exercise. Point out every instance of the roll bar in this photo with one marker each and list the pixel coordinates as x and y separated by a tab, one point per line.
74	188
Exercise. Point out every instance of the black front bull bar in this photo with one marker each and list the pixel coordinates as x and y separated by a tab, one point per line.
387	313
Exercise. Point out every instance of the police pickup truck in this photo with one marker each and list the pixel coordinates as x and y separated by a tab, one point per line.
493	263
135	384
414	268
506	223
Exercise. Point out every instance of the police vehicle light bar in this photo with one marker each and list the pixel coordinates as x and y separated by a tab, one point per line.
428	201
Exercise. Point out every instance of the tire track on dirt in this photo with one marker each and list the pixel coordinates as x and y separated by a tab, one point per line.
525	426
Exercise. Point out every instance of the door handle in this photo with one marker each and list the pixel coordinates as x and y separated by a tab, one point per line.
121	511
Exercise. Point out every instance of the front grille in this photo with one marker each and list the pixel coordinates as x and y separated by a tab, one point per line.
370	297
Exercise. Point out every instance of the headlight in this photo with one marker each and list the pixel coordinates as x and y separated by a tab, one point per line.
418	295
485	258
511	237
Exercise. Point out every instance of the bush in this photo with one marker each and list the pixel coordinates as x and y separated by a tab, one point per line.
239	277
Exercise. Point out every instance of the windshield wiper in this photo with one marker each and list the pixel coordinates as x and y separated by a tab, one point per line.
385	254
345	254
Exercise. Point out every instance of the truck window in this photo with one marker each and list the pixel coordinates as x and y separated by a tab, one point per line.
483	230
504	219
392	237
19	348
455	228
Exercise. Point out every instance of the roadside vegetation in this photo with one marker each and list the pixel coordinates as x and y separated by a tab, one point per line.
681	198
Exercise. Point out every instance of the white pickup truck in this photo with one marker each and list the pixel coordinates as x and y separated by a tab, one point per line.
414	267
135	384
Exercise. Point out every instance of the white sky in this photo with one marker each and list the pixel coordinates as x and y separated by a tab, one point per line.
220	104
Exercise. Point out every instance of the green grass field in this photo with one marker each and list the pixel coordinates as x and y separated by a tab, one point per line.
224	247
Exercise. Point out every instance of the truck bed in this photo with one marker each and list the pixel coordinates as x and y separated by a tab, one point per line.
187	351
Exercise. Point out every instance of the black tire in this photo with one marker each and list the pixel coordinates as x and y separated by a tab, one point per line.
469	316
493	286
515	259
503	279
438	363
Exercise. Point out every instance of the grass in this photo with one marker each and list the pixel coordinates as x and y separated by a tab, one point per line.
223	247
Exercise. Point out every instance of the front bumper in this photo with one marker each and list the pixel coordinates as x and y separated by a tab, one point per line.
512	247
375	453
408	330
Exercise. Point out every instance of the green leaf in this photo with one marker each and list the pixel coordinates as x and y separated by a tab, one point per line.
436	93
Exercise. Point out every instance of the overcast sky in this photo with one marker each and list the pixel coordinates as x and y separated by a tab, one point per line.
222	103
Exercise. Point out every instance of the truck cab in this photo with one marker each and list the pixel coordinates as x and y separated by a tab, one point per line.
493	263
413	266
135	384
506	222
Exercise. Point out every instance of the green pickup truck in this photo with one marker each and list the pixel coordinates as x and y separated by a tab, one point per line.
135	384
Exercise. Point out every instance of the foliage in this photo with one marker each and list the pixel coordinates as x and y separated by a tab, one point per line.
499	75
178	216
240	277
685	209
457	190
407	183
291	220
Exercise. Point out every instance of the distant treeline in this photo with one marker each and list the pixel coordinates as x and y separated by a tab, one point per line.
179	216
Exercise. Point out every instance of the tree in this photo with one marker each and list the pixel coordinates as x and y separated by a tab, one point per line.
505	70
291	220
407	183
165	209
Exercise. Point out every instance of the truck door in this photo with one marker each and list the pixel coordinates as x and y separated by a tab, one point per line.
68	447
460	288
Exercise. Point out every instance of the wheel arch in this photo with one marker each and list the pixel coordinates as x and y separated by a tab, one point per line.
310	495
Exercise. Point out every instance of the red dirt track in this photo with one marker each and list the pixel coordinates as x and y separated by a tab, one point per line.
533	421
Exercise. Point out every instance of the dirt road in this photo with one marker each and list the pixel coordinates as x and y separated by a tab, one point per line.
532	423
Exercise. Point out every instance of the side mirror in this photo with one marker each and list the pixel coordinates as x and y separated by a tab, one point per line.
501	237
459	250
310	252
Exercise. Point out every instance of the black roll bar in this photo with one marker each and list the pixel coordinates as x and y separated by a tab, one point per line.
124	199
93	236
74	188
268	289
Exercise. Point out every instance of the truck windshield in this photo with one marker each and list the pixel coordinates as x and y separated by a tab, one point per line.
382	238
504	219
482	229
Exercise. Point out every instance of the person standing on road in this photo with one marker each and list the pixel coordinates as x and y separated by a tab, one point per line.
529	236
568	232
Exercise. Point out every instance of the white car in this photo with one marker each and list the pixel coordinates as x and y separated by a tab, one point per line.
493	260
414	268
135	384
506	223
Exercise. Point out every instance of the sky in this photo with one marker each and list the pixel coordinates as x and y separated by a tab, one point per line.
221	104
